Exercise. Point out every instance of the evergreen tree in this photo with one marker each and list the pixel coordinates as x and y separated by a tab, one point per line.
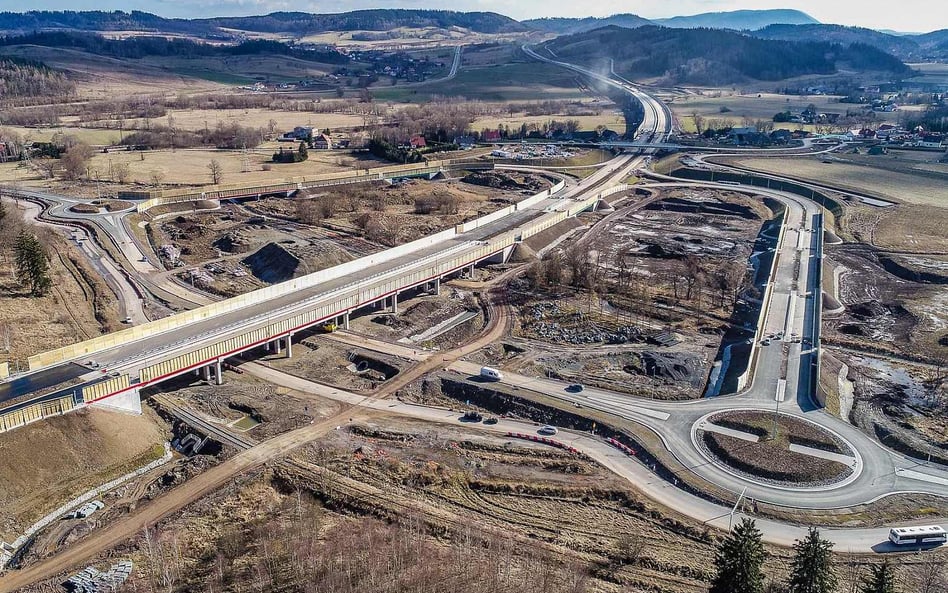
3	212
738	561
811	569
32	266
881	579
304	152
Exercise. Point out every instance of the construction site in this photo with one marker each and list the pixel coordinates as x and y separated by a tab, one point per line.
447	358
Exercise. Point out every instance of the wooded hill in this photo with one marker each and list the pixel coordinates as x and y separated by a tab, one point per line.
140	47
26	78
299	23
707	56
931	46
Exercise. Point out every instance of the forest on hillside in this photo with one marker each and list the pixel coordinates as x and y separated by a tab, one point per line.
709	56
140	47
29	79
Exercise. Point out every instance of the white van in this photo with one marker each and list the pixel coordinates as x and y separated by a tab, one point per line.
491	374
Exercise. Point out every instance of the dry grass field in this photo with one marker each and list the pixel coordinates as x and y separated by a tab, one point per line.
903	187
100	77
608	118
65	315
190	166
198	119
739	107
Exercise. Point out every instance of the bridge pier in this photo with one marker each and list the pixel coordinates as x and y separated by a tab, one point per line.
289	346
128	402
218	373
436	286
206	373
395	303
276	346
345	320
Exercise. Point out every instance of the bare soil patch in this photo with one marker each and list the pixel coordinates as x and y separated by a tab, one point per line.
331	363
68	455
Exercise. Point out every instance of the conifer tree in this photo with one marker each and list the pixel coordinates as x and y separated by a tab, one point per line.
738	561
881	579
811	569
32	264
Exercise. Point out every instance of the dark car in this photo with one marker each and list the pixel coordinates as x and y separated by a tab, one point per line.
490	420
574	388
471	416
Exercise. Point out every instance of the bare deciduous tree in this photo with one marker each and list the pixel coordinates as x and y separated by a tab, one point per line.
216	170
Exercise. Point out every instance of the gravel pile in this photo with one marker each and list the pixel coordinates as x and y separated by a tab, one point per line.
550	322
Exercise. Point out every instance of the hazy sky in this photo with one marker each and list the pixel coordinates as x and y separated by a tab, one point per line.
900	15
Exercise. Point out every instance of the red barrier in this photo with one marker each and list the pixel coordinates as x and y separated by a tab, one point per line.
544	440
620	446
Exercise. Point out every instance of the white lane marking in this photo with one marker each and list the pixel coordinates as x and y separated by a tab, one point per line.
914	475
781	390
730	432
812	452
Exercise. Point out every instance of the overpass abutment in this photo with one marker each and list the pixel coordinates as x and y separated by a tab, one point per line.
128	402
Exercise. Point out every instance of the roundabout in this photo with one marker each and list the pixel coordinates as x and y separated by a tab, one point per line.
776	450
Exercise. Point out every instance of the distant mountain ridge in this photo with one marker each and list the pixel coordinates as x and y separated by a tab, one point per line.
562	26
739	20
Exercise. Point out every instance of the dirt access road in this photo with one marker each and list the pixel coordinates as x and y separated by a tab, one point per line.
203	484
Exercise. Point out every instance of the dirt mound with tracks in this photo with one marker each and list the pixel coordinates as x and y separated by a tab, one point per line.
66	456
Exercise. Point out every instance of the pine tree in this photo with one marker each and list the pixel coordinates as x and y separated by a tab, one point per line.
811	569
738	561
304	152
32	265
881	579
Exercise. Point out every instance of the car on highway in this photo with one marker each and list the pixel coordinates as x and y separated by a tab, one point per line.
574	388
765	342
490	420
471	416
547	430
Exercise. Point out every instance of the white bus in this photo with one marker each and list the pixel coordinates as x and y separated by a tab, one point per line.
489	374
927	534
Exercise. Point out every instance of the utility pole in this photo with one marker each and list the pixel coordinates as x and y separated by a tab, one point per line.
730	519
